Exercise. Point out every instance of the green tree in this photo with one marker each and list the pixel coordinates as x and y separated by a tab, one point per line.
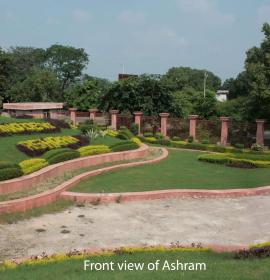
67	62
41	85
258	72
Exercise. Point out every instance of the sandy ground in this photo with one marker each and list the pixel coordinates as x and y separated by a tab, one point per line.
218	221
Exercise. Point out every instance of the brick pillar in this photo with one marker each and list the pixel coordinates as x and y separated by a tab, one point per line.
163	123
192	125
138	121
224	130
260	132
92	114
114	119
72	113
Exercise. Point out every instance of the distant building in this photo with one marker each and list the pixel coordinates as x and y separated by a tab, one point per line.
126	76
33	109
222	95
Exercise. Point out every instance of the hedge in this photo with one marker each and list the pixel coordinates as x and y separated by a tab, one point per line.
10	173
64	156
125	134
124	146
93	150
31	165
48	155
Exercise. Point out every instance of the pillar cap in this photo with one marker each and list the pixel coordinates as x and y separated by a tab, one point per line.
92	110
138	113
260	121
224	119
193	117
114	111
72	109
164	115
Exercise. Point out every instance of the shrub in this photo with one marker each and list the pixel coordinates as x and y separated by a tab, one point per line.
92	134
254	252
31	165
58	123
7	164
64	156
136	140
112	133
150	139
134	128
148	134
50	154
205	141
159	135
190	139
176	138
256	147
239	146
124	133
214	158
163	142
10	173
124	146
26	128
241	163
93	150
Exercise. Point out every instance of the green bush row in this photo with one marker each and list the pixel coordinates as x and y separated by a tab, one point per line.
124	146
9	170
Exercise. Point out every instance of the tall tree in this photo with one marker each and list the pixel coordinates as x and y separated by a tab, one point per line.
67	62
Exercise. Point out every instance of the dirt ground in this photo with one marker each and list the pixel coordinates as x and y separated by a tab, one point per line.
217	221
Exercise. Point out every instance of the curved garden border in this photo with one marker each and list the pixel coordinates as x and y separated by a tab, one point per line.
23	204
27	181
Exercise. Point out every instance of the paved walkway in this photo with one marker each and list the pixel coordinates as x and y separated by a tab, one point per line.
221	221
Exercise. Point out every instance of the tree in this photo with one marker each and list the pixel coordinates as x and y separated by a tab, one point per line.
40	86
178	78
237	87
84	96
258	72
5	75
67	62
145	93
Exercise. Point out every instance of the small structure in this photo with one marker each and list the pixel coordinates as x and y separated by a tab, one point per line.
222	95
33	109
122	77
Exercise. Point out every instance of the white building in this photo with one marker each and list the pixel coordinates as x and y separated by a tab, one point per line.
222	95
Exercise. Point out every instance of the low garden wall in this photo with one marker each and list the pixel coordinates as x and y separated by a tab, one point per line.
23	204
26	182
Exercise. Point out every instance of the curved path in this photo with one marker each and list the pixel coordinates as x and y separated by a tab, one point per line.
222	221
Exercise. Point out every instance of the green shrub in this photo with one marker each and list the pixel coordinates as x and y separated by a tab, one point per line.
239	146
163	142
190	139
214	158
150	139
31	165
256	147
124	133
148	134
124	146
48	155
134	128
176	138
159	135
7	164
93	150
10	173
205	141
64	156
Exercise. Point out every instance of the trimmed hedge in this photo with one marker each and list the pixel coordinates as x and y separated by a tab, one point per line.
124	146
55	152
10	173
64	156
125	134
31	165
93	150
230	160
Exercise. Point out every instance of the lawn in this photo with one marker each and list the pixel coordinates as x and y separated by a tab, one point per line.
218	266
9	151
180	170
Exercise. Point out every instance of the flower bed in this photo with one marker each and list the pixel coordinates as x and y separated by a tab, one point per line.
26	128
38	147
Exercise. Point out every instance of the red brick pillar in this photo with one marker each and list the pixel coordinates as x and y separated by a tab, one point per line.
72	113
224	130
92	114
138	121
192	125
163	123
114	119
260	132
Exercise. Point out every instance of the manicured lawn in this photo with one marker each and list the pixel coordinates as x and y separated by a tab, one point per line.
218	266
9	120
180	170
9	151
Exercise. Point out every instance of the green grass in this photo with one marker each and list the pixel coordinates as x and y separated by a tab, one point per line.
9	151
180	170
107	140
218	267
53	207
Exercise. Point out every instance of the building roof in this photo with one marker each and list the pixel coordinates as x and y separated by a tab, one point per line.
33	106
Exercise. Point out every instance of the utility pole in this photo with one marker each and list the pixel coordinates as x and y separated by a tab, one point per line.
204	83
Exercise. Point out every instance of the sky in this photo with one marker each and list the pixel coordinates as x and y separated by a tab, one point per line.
147	36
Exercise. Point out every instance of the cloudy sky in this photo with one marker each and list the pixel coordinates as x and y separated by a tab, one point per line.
147	36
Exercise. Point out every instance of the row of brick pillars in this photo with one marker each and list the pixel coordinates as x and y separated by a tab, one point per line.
164	121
